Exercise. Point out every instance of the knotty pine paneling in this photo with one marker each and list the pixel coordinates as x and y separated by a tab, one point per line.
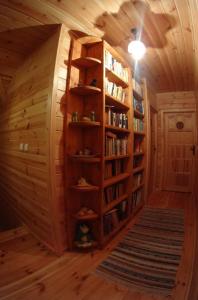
58	139
169	101
27	181
166	29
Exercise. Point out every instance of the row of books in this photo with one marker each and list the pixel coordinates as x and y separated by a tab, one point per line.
116	119
137	161
112	64
137	87
138	144
137	179
135	199
114	90
138	125
113	192
138	105
114	145
113	168
112	219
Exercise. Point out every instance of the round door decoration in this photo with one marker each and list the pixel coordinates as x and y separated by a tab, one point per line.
180	125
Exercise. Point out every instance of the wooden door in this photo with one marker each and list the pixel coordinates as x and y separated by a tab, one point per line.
153	148
179	130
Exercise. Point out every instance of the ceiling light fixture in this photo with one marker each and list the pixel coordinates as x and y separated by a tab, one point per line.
136	47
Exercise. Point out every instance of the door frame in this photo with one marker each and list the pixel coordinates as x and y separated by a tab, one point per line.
162	118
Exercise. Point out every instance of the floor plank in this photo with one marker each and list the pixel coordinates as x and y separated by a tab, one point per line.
28	271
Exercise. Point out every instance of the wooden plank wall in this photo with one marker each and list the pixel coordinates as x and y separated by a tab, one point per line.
169	101
57	152
193	6
25	118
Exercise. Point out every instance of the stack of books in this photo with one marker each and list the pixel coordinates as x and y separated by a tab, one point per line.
138	125
138	147
137	179
113	192
137	161
138	105
116	119
112	219
112	64
114	145
113	168
137	197
114	90
137	87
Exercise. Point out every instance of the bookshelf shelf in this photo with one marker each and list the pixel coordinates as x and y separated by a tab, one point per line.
139	133
138	114
86	62
139	169
115	230
85	90
88	188
115	202
110	100
115	179
138	154
85	159
112	76
117	129
114	157
138	187
137	95
86	217
85	124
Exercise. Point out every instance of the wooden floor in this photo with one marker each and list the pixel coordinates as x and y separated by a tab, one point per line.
29	271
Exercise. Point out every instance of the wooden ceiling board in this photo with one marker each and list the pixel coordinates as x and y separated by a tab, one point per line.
167	30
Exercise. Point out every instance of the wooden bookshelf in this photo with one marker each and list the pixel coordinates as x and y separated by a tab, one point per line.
140	145
88	62
85	62
113	157
85	90
115	179
117	129
115	202
85	124
89	188
110	100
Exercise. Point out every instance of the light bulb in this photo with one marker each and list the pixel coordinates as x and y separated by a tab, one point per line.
137	49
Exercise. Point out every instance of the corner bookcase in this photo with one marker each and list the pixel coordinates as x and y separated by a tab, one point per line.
99	141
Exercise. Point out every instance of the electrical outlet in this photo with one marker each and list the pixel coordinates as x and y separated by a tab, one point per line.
25	148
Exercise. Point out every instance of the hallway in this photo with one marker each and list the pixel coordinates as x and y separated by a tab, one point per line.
29	271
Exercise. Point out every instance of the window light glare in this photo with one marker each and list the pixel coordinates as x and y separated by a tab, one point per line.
137	49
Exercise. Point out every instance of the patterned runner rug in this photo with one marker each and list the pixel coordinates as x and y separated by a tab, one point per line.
148	257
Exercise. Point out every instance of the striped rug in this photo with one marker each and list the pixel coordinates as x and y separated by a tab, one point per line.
148	257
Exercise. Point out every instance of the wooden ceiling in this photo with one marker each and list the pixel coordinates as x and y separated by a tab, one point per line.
167	30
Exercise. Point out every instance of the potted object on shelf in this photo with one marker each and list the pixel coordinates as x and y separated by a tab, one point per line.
84	236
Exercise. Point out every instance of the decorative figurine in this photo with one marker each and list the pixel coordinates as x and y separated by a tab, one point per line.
93	82
87	151
84	237
82	182
92	116
86	119
84	211
75	116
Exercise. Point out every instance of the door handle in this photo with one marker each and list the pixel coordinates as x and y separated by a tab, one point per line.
193	149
